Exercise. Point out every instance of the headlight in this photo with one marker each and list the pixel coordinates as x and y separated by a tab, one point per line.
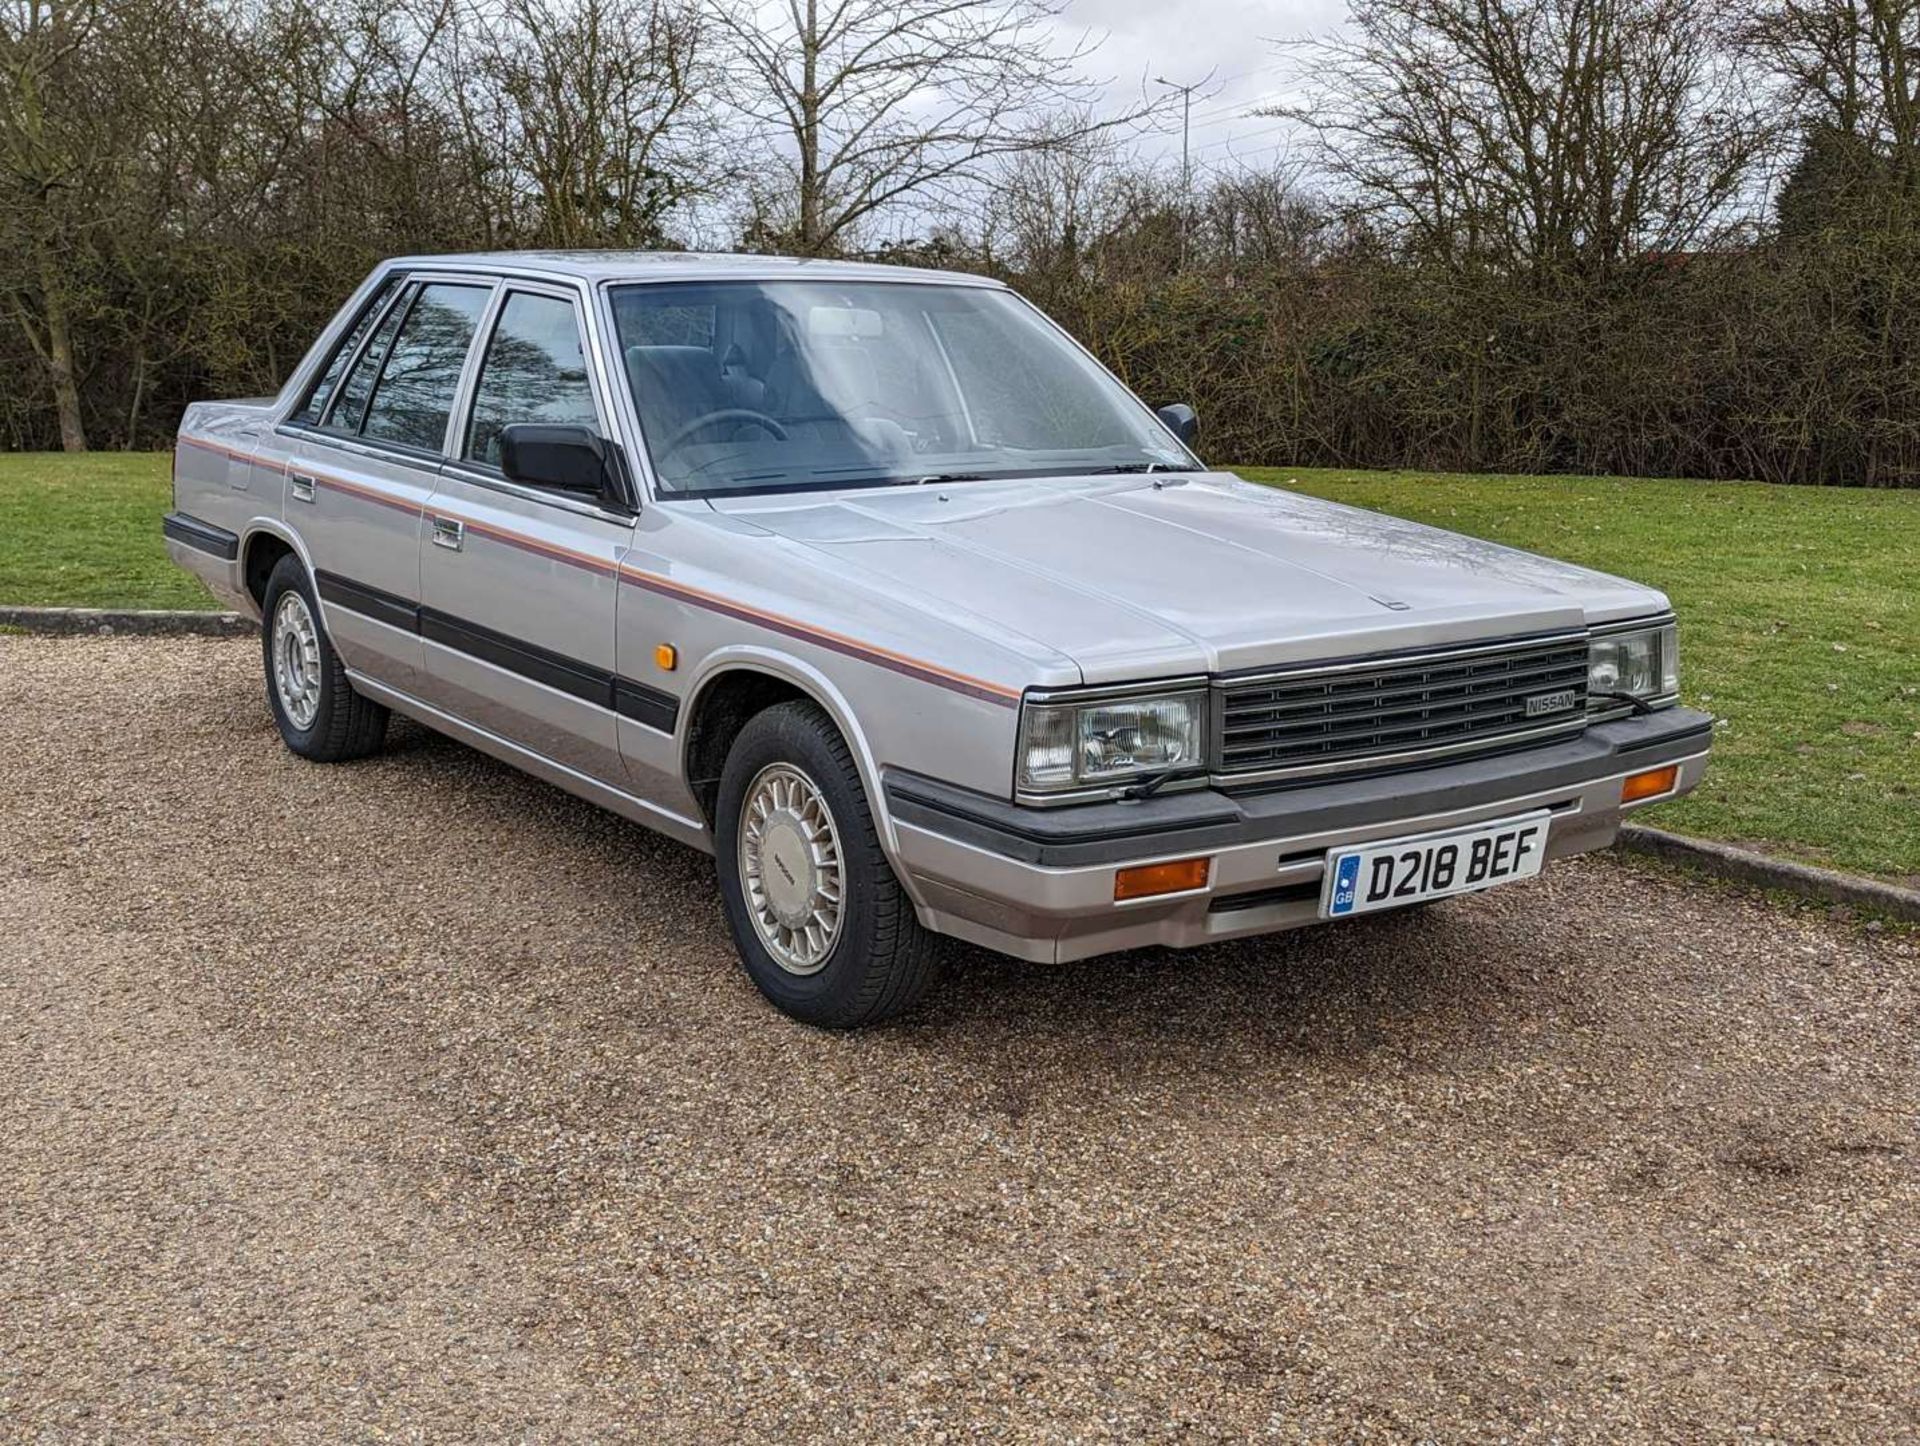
1644	664
1070	745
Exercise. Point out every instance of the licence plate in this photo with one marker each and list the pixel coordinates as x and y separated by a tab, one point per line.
1395	872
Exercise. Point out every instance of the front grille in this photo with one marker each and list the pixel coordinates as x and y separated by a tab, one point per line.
1327	718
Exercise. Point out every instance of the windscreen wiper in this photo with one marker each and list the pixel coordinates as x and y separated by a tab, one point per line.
1639	706
1150	785
1120	467
937	477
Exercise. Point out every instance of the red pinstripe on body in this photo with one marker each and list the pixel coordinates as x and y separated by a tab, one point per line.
363	492
651	582
838	642
233	452
553	550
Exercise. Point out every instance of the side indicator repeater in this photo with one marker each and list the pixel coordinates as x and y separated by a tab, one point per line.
666	657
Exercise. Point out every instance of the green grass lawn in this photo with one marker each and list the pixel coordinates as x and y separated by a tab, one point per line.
1799	615
85	532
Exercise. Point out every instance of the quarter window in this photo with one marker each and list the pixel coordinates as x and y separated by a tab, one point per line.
322	390
534	371
349	406
414	396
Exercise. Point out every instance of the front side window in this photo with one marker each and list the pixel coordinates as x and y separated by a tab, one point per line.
321	392
414	396
775	385
534	371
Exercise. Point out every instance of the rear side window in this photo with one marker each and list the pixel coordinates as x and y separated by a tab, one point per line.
414	396
534	371
315	406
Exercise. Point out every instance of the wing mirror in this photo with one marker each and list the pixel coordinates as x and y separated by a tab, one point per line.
1180	420
573	460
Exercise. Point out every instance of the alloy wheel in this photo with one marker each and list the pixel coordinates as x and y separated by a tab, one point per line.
790	868
296	660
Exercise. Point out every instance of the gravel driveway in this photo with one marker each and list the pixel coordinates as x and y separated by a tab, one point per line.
414	1099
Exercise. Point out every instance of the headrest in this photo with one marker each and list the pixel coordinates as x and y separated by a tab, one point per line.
684	373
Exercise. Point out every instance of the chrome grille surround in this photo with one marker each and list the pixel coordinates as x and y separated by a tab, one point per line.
1395	710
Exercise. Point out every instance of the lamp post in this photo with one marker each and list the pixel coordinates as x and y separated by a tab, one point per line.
1186	153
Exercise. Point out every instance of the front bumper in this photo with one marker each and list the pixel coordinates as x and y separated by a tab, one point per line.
1038	883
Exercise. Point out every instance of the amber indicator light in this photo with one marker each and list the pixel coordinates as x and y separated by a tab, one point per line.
1651	784
666	657
1147	880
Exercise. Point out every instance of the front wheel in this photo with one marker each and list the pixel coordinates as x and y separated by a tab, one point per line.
820	921
314	705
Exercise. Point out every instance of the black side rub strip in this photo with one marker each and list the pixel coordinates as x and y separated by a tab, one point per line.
529	660
371	602
201	536
648	706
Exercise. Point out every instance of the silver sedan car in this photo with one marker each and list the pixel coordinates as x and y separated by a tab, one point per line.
875	585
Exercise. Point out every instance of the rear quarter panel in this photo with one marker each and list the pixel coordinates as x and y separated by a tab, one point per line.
230	465
230	472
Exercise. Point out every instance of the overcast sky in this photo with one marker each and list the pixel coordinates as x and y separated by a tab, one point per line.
1183	41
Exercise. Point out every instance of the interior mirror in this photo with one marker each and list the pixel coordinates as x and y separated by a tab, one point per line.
573	460
1180	420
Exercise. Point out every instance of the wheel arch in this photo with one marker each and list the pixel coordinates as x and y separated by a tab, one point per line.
718	700
262	544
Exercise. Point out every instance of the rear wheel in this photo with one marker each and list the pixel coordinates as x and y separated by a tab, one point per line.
314	705
820	921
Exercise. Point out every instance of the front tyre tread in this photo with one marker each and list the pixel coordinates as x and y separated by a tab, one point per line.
884	961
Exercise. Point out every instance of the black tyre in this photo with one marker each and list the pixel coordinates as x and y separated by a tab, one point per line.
820	920
318	713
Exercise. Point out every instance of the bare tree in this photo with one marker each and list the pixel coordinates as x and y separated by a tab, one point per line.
1549	133
52	158
1262	219
582	116
878	102
1850	64
1851	74
1052	201
364	82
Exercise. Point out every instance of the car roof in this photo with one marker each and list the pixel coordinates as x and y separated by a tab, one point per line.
683	266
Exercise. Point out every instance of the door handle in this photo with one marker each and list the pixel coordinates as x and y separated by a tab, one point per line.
299	487
449	532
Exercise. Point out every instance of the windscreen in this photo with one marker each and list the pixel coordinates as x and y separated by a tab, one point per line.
748	386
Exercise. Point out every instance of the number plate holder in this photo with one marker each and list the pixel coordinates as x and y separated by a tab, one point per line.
1392	873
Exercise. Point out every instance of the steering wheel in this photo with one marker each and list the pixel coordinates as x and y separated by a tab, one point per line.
724	414
876	412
